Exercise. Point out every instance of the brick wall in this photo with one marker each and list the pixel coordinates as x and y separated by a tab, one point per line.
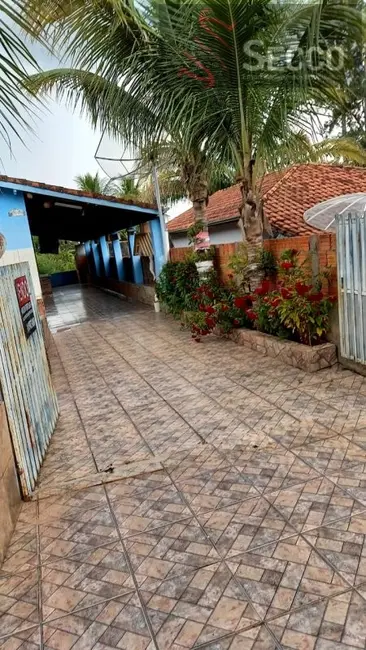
223	252
323	245
325	248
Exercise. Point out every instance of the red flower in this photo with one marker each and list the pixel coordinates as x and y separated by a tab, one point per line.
224	307
266	285
286	265
210	322
316	297
302	289
285	293
210	309
236	322
202	307
275	302
251	314
241	302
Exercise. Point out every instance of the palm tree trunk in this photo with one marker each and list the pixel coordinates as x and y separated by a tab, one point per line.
194	178
252	222
199	209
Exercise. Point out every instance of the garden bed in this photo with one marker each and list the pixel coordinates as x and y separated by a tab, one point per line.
298	355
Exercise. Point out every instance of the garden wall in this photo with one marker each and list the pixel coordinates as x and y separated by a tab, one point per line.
322	248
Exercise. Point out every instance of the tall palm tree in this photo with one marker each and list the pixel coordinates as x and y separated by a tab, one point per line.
83	31
185	170
235	78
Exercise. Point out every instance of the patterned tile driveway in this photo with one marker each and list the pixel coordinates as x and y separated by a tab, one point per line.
192	496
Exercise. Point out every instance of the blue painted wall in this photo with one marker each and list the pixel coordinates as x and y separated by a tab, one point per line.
138	277
15	229
97	258
118	257
104	249
158	245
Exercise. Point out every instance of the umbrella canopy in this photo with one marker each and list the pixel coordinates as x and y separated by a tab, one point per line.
322	215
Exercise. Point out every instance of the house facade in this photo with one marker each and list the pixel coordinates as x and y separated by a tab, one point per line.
286	195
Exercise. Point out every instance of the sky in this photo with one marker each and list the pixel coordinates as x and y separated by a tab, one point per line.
62	146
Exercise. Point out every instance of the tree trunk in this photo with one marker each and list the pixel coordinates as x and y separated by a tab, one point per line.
194	178
253	225
199	209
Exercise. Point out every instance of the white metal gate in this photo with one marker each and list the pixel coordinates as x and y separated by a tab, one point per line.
29	396
351	263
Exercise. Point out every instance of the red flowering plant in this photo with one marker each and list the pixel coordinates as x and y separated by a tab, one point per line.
263	313
294	308
217	307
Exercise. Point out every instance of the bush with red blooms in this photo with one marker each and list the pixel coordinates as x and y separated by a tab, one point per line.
217	307
289	308
293	308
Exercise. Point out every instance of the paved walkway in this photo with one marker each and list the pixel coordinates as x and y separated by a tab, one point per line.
192	495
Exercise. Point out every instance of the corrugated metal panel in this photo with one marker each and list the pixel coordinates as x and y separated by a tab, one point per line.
351	263
143	245
29	396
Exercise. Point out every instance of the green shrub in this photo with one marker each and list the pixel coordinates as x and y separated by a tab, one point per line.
48	264
176	283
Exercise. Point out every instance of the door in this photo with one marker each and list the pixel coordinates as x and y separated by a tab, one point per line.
28	393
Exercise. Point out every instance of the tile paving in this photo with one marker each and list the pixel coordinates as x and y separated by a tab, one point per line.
192	496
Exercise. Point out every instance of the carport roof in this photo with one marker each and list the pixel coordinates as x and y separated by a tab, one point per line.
98	214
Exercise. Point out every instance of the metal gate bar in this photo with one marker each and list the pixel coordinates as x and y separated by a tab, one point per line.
351	265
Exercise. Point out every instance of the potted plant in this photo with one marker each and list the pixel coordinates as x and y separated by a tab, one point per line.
204	254
204	260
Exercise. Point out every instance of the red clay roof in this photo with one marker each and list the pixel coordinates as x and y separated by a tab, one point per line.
287	195
68	190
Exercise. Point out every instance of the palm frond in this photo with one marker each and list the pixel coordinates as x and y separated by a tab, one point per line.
17	109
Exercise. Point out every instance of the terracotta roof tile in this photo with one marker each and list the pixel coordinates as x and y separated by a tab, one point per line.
73	192
287	195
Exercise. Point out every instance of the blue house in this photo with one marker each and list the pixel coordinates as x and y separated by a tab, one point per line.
92	221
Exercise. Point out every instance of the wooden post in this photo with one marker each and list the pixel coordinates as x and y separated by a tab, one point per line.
314	253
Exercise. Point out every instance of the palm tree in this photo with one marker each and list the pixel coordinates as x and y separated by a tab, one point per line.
185	169
16	110
234	77
92	183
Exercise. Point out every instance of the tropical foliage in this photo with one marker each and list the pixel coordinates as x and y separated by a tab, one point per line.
232	82
16	108
293	307
63	261
288	305
92	183
177	282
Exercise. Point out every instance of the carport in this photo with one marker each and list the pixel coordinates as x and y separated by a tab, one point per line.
92	221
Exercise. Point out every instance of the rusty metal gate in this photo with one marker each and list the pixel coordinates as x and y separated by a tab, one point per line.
351	263
29	397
